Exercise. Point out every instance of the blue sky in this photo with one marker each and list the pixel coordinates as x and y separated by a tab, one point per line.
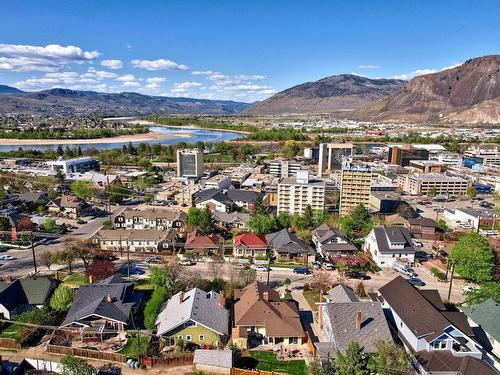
239	50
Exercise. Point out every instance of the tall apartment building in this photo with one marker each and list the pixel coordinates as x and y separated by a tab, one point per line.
331	155
296	193
284	168
190	163
355	187
401	155
421	183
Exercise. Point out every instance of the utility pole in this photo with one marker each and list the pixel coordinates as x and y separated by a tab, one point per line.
451	280
128	256
33	251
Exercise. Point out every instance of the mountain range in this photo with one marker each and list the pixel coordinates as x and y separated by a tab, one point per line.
331	94
65	101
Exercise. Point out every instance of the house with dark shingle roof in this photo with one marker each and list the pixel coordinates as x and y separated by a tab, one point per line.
485	321
24	295
261	317
332	241
243	199
232	220
287	246
214	200
108	305
388	245
195	316
442	342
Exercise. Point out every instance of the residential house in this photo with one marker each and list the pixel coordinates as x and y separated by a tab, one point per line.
214	200
199	244
24	295
387	245
484	320
232	220
149	240
262	318
196	317
69	206
152	218
106	306
250	245
243	199
345	319
34	197
441	341
286	245
331	241
422	227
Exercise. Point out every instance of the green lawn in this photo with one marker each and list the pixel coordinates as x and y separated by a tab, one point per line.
267	361
130	348
11	332
143	284
75	280
311	296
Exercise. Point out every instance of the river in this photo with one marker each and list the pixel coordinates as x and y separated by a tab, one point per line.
195	135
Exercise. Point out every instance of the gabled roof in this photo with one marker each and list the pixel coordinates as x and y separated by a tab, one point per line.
374	327
92	299
259	305
215	194
250	240
231	217
154	214
197	241
33	197
443	361
68	201
341	293
287	243
195	305
28	291
324	232
423	221
242	195
135	234
396	235
486	315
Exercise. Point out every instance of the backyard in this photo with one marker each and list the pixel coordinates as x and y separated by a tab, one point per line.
74	280
267	361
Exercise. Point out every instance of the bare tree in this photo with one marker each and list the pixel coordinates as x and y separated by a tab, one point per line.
321	280
247	276
216	268
47	258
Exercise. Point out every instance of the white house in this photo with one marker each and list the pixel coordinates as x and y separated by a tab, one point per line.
388	245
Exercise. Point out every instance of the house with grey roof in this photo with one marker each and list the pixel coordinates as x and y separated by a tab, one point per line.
485	321
344	318
442	341
287	246
331	241
231	220
106	306
24	295
196	317
214	200
388	245
243	199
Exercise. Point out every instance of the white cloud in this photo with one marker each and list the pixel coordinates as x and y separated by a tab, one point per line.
126	78
203	72
50	58
112	64
419	72
160	64
254	77
153	83
368	66
183	87
156	79
71	80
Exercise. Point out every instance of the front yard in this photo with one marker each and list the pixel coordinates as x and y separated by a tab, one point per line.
75	280
312	297
267	361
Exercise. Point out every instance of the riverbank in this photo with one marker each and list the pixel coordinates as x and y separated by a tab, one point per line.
134	138
188	127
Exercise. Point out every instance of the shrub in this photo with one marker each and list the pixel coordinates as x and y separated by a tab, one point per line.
438	274
153	307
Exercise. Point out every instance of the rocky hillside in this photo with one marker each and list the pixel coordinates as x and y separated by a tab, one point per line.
330	94
469	93
64	101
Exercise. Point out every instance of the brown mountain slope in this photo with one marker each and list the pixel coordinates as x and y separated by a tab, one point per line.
467	93
330	94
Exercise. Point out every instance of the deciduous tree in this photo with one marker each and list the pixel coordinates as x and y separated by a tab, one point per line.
473	258
62	298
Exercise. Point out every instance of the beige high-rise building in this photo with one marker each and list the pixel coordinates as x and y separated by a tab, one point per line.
296	193
355	187
331	154
190	163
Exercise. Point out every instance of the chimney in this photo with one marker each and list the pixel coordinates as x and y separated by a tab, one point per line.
181	297
358	320
7	279
265	295
109	298
91	279
222	299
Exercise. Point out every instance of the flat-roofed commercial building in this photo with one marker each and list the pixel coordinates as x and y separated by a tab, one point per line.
422	183
331	155
190	163
78	165
296	193
284	168
355	187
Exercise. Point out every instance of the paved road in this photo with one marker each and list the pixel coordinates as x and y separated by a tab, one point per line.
23	264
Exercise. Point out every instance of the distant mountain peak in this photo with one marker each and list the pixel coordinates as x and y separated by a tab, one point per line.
4	89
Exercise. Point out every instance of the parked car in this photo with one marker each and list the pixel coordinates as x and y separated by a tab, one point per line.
316	265
187	262
418	244
415	281
327	266
404	269
422	256
358	275
302	270
7	257
262	268
155	259
240	266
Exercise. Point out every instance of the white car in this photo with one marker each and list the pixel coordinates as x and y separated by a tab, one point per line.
6	257
418	244
327	266
262	268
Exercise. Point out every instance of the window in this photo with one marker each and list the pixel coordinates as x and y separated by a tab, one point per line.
201	337
293	340
189	324
179	337
188	338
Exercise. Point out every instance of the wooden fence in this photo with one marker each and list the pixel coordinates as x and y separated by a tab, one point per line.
240	371
6	343
174	361
85	353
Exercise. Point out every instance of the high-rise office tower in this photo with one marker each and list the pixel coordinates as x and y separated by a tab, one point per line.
190	163
331	154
